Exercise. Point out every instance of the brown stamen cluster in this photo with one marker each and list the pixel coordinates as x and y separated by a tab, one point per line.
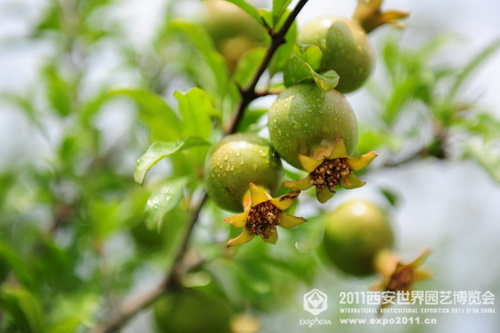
263	219
330	173
401	280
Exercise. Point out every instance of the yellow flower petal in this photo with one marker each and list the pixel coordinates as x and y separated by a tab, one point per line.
421	275
322	152
358	163
273	238
339	150
386	262
323	194
309	163
237	221
285	201
259	195
247	200
351	181
302	184
289	221
420	259
243	238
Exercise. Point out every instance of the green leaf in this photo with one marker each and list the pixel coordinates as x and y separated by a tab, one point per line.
160	118
158	151
72	310
285	50
20	303
402	94
251	10
485	124
16	264
247	66
311	54
391	196
473	65
298	71
162	200
250	120
203	43
104	216
59	92
279	7
487	155
195	108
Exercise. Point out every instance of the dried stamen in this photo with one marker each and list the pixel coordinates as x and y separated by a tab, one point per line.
263	219
401	280
330	173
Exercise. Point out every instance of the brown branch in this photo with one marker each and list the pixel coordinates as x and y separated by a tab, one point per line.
129	309
179	266
249	94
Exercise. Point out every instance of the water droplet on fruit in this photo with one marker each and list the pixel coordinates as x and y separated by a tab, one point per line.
226	157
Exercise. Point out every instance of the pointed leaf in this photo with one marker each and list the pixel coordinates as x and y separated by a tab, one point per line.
472	66
16	265
161	201
247	66
195	107
247	7
284	51
160	118
217	76
158	151
311	54
59	92
25	306
279	7
297	71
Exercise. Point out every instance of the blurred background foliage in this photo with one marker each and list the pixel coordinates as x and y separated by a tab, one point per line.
78	235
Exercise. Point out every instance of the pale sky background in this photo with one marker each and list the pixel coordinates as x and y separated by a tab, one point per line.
449	207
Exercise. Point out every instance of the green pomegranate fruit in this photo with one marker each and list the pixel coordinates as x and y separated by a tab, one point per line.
304	119
232	29
345	47
191	311
235	162
356	232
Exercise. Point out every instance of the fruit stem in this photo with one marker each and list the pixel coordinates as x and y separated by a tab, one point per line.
249	94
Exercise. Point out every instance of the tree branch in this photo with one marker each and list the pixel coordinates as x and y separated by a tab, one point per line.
249	94
179	266
129	309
